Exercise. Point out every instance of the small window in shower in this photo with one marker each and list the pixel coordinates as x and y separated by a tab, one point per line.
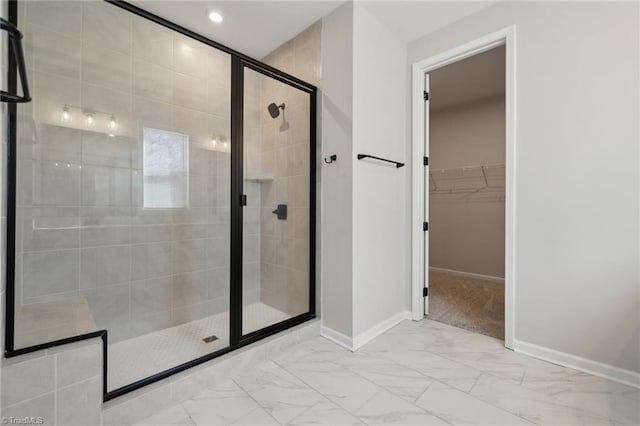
165	169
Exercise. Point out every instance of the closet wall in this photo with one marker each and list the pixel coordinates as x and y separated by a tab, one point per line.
467	229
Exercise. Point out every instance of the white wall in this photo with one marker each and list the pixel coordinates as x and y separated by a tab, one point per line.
364	231
380	240
337	133
466	232
577	187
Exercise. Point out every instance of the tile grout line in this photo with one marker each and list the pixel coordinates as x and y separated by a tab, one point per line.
448	385
524	373
392	393
326	396
233	379
381	388
555	400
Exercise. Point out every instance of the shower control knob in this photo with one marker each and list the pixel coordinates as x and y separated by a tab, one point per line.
281	212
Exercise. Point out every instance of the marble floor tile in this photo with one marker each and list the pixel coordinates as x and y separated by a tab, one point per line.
172	416
224	405
501	365
387	408
314	350
417	373
599	396
279	392
325	413
459	408
256	418
404	382
536	407
338	384
436	366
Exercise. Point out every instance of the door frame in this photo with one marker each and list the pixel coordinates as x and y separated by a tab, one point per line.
420	149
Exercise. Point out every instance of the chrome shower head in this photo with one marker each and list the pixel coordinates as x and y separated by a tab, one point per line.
274	110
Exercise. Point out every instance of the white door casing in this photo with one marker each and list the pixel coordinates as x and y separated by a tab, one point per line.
420	185
426	192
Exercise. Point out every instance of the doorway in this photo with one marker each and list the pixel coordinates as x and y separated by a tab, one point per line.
466	202
463	186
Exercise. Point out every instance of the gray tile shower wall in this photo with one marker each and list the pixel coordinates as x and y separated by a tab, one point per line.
63	384
284	261
252	140
85	233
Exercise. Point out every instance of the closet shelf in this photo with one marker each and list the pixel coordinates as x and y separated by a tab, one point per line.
485	179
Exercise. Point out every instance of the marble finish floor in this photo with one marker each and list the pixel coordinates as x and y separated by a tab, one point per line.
417	373
470	303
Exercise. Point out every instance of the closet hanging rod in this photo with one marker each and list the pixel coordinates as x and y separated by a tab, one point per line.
398	164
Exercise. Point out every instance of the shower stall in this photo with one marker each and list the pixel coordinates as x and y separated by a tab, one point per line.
161	193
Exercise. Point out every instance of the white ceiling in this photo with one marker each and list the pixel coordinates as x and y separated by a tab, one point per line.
413	19
254	28
477	77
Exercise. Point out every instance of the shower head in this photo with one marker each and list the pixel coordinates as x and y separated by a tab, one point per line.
274	110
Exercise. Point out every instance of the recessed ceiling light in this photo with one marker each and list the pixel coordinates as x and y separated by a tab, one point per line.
215	17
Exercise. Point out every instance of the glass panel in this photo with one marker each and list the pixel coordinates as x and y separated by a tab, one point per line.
123	183
165	169
276	218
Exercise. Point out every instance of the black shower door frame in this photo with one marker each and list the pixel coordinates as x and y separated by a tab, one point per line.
239	62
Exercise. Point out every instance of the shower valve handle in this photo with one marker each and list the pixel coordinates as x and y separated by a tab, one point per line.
281	212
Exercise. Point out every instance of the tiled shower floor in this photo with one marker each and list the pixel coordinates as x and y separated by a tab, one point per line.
134	359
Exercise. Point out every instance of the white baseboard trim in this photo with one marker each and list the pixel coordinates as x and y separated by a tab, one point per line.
606	371
366	336
337	337
467	274
370	334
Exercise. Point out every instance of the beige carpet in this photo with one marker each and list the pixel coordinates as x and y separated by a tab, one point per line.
470	303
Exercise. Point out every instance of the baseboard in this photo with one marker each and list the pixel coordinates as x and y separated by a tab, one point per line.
337	337
467	274
370	334
366	336
606	371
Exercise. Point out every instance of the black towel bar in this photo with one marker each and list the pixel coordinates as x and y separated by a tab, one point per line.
15	38
398	165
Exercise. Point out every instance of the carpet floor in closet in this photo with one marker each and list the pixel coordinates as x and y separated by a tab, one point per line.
470	303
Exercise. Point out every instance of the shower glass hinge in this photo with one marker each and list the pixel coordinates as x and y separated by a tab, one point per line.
243	200
425	291
426	95
425	226
425	161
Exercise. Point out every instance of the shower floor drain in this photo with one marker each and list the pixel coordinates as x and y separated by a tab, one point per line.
210	339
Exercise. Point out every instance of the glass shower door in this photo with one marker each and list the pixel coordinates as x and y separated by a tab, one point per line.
125	174
122	183
276	218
